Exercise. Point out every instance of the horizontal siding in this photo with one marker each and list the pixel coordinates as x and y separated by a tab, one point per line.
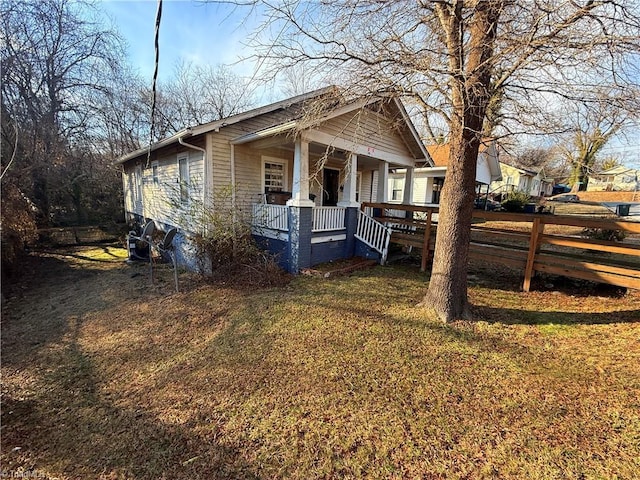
368	129
420	190
161	201
365	187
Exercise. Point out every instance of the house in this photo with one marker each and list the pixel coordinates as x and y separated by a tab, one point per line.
296	169
531	182
616	179
427	181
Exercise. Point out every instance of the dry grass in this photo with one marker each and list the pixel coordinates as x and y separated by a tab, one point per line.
106	377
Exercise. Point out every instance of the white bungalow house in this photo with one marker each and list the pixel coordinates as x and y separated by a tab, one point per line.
299	168
531	182
616	179
427	181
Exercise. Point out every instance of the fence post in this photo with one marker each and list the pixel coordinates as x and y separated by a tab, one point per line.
425	244
536	229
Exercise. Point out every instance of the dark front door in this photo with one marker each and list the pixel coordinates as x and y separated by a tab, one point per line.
330	185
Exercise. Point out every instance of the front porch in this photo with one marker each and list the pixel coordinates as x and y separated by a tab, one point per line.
302	237
305	236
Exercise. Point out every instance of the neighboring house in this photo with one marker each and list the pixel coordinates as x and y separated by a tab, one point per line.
427	181
620	178
300	178
531	182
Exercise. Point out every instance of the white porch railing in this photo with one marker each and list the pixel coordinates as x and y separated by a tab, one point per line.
275	217
326	219
373	233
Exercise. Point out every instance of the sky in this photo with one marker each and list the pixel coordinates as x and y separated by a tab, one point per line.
213	33
202	33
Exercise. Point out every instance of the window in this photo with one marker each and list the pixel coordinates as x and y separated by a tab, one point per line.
183	178
275	175
396	189
509	180
137	180
154	173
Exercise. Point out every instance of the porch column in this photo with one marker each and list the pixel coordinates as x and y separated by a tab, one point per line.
300	210
300	188
383	182
300	225
407	197
350	204
350	183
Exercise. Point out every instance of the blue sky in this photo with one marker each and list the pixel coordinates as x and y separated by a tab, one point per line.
202	33
213	33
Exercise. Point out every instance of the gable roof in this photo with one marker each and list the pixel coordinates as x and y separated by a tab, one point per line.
617	170
296	106
439	154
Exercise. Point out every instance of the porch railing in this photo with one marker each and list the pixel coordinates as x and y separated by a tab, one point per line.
326	219
274	217
373	233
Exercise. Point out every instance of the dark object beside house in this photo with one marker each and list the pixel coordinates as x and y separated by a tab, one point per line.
486	204
622	209
560	188
278	198
140	246
566	198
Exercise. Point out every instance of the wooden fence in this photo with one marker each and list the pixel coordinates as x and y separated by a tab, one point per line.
523	243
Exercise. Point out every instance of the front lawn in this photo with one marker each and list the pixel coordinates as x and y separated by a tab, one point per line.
105	376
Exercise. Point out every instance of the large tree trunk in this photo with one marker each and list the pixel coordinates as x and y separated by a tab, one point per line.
471	91
448	285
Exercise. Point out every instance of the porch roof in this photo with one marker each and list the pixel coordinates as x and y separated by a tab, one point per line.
329	96
310	130
231	120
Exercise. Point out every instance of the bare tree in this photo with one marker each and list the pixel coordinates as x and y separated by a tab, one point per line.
198	94
592	129
491	66
56	60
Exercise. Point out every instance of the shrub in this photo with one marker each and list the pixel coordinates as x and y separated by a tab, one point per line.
18	228
604	234
516	201
225	249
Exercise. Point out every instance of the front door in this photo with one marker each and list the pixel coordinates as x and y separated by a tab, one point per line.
330	186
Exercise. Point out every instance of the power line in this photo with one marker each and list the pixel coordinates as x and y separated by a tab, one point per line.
155	80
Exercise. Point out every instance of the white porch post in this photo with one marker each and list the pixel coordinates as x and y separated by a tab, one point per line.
350	181
407	197
383	182
300	188
428	194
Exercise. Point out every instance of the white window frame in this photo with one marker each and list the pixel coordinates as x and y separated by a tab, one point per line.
137	185
182	183
155	167
395	183
358	185
285	172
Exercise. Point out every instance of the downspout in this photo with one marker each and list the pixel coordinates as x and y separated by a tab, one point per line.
234	219
206	176
233	180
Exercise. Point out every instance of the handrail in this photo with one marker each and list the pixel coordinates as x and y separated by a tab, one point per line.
374	234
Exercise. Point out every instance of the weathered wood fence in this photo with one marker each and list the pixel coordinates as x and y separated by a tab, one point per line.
525	245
